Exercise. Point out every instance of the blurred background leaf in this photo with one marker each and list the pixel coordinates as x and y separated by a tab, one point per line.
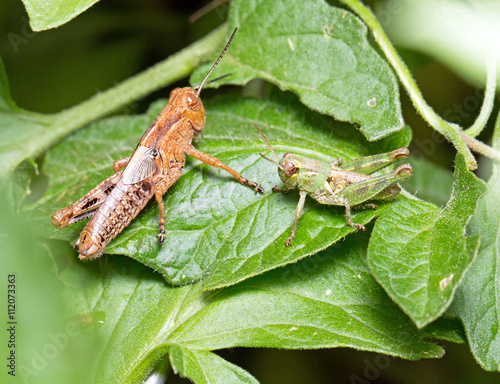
44	15
460	34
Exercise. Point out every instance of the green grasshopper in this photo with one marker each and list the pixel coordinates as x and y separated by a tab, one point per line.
337	183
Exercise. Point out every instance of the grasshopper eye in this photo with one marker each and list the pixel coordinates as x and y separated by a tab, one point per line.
289	168
193	103
287	154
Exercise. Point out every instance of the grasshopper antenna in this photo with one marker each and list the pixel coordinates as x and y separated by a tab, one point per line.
217	62
271	148
214	80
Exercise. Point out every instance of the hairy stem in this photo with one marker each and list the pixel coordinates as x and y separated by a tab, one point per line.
489	97
496	134
480	147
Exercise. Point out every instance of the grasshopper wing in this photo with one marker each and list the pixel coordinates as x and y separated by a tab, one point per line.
142	164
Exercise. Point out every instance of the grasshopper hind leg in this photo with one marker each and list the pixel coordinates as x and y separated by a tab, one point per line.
87	206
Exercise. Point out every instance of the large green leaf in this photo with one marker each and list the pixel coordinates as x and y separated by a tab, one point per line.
420	254
326	301
478	298
51	14
215	226
319	52
206	367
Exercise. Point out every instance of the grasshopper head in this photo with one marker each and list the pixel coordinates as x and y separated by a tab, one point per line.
188	102
289	170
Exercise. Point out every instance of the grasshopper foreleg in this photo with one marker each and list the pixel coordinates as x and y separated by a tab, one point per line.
298	213
214	162
161	208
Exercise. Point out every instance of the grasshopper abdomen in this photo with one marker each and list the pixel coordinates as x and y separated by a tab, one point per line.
117	211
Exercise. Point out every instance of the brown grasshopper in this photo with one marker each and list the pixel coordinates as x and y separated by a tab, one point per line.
153	168
346	184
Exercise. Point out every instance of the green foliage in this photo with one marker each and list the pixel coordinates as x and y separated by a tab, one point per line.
420	254
429	181
477	302
244	231
27	135
51	14
225	278
303	44
325	301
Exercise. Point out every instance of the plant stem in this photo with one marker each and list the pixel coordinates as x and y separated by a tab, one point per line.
489	96
495	141
166	72
451	132
480	147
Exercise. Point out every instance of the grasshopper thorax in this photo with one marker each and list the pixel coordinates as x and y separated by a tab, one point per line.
289	169
188	102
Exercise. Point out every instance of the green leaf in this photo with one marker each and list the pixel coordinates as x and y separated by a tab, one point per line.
215	226
478	298
51	14
319	52
206	367
326	301
419	253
